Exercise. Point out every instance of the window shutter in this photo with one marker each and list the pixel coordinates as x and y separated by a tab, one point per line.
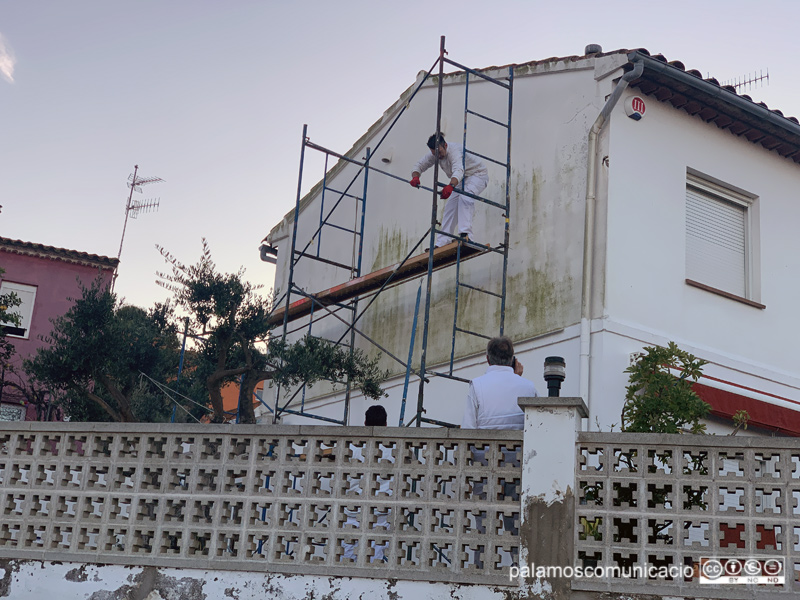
715	242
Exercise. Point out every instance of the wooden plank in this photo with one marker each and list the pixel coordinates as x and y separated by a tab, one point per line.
415	266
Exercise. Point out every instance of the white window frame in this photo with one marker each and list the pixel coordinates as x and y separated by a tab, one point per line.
26	308
716	190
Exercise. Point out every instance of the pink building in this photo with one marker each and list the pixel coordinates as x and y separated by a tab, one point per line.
46	279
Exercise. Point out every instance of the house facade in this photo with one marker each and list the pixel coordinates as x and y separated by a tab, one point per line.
647	205
46	279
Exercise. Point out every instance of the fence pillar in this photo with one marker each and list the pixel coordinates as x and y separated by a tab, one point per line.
548	495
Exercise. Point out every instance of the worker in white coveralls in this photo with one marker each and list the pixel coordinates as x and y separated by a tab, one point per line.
492	398
460	168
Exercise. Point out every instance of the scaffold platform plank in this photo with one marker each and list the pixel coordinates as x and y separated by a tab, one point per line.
415	266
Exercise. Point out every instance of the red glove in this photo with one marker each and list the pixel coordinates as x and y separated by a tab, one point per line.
414	182
446	191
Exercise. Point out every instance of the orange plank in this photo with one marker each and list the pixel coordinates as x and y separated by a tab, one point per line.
415	266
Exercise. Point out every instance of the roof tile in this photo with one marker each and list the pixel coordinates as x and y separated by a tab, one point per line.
74	256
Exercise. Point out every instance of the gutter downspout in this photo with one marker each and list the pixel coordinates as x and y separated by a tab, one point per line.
588	227
269	254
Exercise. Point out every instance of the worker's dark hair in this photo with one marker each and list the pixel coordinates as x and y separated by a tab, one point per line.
500	351
375	415
432	141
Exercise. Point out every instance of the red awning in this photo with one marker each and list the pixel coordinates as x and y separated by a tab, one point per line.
762	414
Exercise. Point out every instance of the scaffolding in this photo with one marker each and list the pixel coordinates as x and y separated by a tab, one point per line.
298	303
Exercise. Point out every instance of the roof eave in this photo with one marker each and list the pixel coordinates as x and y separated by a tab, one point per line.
778	130
54	253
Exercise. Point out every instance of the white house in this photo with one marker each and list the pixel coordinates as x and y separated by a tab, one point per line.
627	229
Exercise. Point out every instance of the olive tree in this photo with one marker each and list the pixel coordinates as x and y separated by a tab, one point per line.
232	318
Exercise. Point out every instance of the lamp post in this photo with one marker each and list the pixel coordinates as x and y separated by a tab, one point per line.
554	373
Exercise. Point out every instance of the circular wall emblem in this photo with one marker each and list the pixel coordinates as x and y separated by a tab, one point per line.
635	107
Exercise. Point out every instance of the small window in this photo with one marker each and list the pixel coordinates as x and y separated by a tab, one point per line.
26	293
719	239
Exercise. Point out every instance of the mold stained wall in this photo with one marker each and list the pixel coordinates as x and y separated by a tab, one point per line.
34	580
554	107
552	113
646	298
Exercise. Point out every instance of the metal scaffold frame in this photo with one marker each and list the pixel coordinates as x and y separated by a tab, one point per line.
346	297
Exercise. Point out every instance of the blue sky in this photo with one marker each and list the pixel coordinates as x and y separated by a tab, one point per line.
211	96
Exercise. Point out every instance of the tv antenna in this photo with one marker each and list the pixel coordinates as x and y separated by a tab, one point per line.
134	207
749	81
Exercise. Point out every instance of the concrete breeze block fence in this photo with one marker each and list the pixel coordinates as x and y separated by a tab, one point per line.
406	503
358	504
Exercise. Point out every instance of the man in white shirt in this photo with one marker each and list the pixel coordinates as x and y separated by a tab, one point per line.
492	398
459	167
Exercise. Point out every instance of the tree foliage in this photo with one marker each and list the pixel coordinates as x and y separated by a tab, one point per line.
312	359
232	318
657	400
99	350
741	418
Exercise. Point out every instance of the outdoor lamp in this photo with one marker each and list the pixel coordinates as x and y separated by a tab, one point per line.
554	373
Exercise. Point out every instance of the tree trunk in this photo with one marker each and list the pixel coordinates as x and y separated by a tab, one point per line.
214	387
248	387
125	411
215	395
105	406
214	381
